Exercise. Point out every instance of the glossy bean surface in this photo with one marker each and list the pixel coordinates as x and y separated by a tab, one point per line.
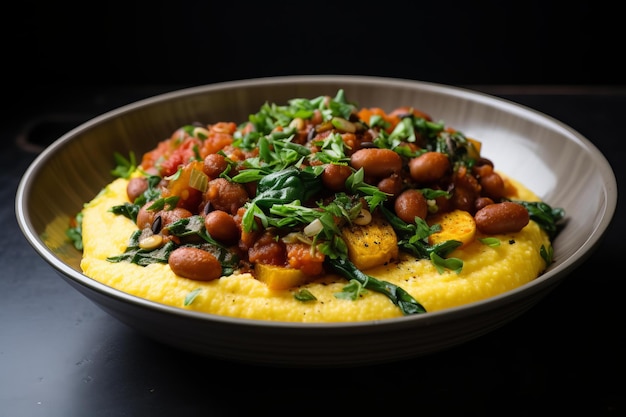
221	226
411	204
499	218
334	176
377	163
429	167
194	263
136	187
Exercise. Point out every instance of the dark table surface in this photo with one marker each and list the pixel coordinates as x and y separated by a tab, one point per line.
60	355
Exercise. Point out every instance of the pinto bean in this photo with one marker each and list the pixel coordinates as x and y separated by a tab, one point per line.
170	216
350	140
377	163
410	204
492	186
221	226
226	195
390	185
334	176
136	187
481	202
145	217
214	165
463	199
194	263
499	218
429	167
443	204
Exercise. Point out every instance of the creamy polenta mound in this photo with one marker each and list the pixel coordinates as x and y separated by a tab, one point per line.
298	281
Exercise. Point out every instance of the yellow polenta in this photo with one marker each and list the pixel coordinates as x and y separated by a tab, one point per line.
487	271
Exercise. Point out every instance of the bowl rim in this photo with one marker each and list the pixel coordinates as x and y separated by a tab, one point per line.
537	285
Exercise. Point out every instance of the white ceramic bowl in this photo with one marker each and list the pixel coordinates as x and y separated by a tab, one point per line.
539	151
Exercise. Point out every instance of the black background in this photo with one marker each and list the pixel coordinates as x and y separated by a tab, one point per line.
54	50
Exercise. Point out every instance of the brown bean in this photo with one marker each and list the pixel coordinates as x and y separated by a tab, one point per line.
222	227
334	176
226	195
377	163
443	204
492	186
214	165
463	199
410	204
194	263
145	217
482	170
170	216
481	202
350	140
390	185
135	188
499	218
429	167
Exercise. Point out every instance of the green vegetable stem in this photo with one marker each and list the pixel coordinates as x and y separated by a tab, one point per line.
407	304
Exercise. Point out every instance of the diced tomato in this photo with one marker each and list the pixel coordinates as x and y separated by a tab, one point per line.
300	256
267	250
189	197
